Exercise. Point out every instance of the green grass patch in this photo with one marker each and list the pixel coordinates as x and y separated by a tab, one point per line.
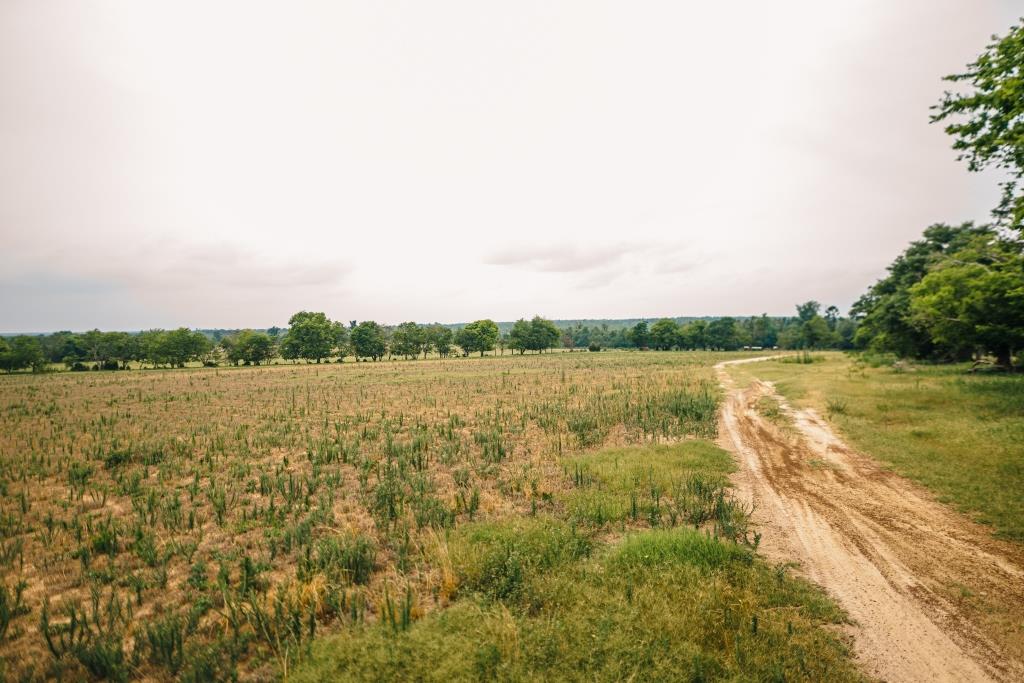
541	598
663	605
657	486
498	560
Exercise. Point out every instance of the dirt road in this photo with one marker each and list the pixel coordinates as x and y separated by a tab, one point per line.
934	596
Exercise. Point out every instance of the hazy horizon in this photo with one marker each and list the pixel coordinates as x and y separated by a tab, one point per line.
223	165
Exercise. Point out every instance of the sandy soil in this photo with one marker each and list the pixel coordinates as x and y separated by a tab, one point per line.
933	595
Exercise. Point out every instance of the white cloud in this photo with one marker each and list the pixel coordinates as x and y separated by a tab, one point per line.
227	163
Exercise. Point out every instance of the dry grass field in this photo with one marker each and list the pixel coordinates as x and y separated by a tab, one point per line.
212	523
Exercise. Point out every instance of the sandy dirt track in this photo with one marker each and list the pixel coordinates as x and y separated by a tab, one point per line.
891	555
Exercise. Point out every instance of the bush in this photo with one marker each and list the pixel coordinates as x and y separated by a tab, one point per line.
594	346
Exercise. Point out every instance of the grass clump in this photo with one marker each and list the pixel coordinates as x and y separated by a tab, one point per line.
663	605
658	486
497	560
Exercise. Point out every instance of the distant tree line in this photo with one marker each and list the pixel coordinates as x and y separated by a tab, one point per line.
107	350
808	330
315	338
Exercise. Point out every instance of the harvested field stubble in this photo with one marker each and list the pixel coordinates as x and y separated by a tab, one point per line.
196	523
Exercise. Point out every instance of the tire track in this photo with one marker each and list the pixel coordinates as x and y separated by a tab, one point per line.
890	554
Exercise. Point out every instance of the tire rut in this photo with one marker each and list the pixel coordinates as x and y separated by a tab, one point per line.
882	546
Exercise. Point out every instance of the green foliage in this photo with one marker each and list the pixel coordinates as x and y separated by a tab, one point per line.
478	336
660	486
164	642
665	334
249	347
974	299
663	605
670	547
538	334
22	352
723	334
408	339
369	340
497	560
346	559
986	119
12	605
901	315
439	338
640	335
312	336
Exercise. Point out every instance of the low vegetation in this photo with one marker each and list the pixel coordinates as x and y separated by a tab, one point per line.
957	432
638	593
209	523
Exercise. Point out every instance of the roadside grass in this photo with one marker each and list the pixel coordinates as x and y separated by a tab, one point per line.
545	598
959	434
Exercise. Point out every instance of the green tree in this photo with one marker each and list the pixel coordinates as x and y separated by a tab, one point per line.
22	352
248	346
665	334
369	340
439	338
120	348
180	346
815	333
519	336
764	332
544	334
539	334
723	333
407	340
973	301
151	347
807	310
94	345
885	322
986	119
640	335
479	335
694	335
832	317
312	336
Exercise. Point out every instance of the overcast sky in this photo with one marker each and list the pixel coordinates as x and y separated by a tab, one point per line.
217	164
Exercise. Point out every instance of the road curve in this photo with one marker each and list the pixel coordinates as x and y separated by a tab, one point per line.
892	556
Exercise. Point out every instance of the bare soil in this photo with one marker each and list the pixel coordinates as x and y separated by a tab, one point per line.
933	595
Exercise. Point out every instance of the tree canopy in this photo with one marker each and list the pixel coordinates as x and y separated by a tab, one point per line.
956	293
986	118
248	346
369	340
478	336
538	334
312	336
21	352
